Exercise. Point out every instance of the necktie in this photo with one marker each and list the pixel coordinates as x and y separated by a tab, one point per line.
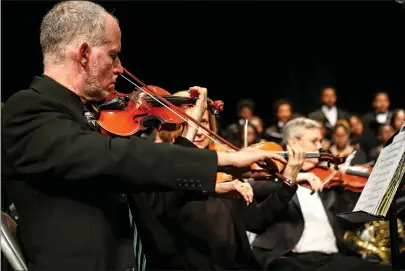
90	117
140	259
137	245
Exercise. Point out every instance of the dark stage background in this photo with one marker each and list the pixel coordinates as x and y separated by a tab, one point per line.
264	50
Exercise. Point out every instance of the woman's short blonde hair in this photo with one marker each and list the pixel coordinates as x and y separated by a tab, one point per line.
170	136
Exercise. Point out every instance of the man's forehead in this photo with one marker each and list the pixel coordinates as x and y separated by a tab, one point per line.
312	132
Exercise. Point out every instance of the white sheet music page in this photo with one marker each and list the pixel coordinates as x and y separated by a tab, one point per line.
380	178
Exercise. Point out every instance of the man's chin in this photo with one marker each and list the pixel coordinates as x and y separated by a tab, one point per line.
107	93
97	97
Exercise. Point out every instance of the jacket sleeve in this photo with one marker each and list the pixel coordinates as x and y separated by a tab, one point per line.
259	215
41	139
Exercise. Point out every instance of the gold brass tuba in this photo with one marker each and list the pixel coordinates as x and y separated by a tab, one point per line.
374	239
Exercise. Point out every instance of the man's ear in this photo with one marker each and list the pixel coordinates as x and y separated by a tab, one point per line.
291	140
84	54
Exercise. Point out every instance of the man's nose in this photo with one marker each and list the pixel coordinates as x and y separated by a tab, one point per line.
118	69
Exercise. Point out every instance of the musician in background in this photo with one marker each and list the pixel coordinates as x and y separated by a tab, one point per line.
253	136
245	110
341	144
258	123
385	132
360	136
380	114
202	231
62	174
329	113
309	235
283	111
398	118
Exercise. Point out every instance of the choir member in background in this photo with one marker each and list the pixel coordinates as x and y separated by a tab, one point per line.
380	114
329	113
283	111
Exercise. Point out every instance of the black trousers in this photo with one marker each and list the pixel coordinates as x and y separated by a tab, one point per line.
125	256
323	262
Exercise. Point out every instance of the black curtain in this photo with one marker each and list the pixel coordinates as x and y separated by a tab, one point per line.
262	50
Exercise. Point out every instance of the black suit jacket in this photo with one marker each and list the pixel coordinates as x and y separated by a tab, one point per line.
371	124
183	231
320	116
274	133
65	178
284	234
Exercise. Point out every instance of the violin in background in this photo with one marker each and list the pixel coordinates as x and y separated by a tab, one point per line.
352	178
275	166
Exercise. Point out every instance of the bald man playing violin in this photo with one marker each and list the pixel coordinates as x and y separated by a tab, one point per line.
309	235
61	174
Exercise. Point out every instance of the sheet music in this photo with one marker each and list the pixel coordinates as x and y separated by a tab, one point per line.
380	185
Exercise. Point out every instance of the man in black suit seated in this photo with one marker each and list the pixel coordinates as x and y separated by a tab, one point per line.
360	136
380	114
283	111
62	174
245	110
184	231
309	235
329	113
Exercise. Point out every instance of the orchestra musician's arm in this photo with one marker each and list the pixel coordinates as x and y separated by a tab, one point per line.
258	216
43	137
265	211
262	189
42	140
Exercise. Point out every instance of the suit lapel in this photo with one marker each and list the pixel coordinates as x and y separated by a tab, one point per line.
295	201
326	120
330	200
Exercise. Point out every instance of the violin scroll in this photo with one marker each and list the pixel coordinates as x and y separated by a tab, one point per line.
216	107
325	155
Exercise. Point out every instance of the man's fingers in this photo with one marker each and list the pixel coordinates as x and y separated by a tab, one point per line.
249	193
245	190
301	155
315	183
290	152
274	156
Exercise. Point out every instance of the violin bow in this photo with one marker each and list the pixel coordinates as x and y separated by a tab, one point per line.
213	136
344	166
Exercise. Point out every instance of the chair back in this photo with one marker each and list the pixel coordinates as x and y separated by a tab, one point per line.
9	244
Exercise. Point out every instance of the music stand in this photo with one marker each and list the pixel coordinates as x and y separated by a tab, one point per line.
364	217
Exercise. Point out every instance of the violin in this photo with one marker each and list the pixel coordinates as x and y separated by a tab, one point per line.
126	114
354	178
139	111
275	166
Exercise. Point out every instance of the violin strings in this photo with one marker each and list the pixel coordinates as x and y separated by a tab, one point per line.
345	166
163	104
